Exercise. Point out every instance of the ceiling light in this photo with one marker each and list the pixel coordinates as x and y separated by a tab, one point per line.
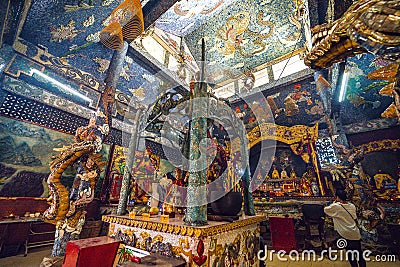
63	86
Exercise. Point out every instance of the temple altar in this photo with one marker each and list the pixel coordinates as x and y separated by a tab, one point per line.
216	243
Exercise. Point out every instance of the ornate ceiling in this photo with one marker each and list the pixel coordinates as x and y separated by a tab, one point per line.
248	34
185	16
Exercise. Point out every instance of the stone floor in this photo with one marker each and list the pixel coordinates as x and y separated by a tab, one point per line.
35	257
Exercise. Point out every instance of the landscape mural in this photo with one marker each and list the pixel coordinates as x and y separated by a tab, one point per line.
25	154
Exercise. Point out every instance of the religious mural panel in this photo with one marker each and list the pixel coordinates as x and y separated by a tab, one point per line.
142	174
291	104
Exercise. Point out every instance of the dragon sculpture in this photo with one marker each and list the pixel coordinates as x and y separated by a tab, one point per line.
68	207
367	26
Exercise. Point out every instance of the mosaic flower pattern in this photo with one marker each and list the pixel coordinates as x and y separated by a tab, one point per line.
85	52
64	32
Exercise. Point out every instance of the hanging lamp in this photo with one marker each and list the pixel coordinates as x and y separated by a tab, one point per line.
126	23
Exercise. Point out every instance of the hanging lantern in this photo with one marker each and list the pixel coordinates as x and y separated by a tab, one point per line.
111	36
129	16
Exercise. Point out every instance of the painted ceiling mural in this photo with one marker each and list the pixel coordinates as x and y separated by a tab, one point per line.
185	16
363	101
291	104
71	32
248	33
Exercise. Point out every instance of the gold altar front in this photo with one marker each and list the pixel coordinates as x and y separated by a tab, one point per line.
215	244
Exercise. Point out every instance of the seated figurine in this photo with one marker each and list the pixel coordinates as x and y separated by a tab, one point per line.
284	175
275	173
293	174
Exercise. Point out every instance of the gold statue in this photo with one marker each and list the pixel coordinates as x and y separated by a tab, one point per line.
284	175
275	173
293	174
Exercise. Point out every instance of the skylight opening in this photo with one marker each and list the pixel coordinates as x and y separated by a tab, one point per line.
225	91
261	77
287	67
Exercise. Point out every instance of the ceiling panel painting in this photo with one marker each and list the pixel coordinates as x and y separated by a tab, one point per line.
249	33
71	32
185	16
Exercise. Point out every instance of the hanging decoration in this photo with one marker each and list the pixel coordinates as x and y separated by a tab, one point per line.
126	21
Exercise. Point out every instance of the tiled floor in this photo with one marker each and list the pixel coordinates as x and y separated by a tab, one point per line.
33	259
36	256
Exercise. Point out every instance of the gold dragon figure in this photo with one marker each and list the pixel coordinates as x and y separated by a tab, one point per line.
367	26
68	206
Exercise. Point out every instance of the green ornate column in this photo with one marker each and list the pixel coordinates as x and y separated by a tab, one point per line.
196	212
130	159
247	194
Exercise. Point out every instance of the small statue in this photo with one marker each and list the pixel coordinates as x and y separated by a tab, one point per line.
293	174
284	175
314	188
309	175
275	173
305	188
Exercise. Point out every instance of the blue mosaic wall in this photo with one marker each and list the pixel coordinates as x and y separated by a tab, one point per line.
185	16
248	34
65	34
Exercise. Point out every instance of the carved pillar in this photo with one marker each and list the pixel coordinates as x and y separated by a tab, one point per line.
130	159
196	212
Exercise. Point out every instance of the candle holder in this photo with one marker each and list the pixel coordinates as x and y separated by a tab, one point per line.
168	209
132	215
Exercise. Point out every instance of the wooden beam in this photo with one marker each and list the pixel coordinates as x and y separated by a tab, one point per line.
153	9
